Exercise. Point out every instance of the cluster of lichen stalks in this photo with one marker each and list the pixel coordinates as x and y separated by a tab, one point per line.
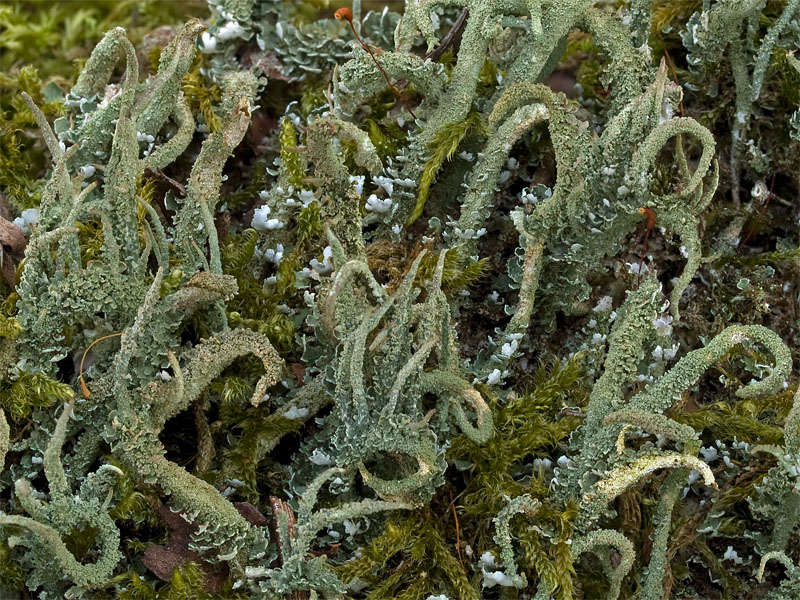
382	369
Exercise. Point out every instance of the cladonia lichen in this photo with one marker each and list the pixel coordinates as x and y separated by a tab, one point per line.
458	302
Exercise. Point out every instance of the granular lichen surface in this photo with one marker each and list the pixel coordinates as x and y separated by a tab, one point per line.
437	300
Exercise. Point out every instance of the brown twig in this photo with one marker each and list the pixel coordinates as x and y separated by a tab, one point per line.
159	175
346	14
12	236
458	528
450	38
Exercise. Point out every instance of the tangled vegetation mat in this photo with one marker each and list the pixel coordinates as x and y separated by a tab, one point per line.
456	300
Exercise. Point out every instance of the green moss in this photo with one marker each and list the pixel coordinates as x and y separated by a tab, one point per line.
31	391
290	158
11	572
187	583
442	148
427	564
455	275
380	393
202	95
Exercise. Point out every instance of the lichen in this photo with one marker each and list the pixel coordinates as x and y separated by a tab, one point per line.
464	302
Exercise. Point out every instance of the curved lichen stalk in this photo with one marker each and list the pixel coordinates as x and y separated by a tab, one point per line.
356	81
723	30
620	479
202	193
661	395
790	585
380	380
47	288
339	200
520	504
603	468
141	413
592	170
612	539
298	572
782	484
50	523
339	310
680	210
156	101
479	199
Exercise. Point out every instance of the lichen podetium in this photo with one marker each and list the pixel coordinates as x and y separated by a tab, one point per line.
486	299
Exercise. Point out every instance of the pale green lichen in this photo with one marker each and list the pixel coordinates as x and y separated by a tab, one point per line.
346	391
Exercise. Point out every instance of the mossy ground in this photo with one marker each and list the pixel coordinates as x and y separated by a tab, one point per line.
43	45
